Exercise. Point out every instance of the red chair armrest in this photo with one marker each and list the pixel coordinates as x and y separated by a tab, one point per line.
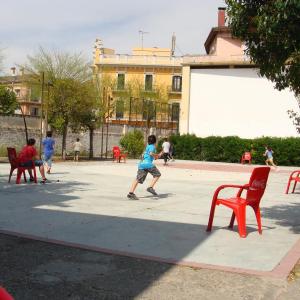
240	187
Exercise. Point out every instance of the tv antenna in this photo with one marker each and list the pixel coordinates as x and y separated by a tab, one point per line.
141	32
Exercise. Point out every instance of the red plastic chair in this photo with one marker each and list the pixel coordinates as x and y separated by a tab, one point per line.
255	190
295	176
118	155
246	157
14	164
4	295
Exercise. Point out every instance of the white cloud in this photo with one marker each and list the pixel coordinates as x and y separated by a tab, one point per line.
73	25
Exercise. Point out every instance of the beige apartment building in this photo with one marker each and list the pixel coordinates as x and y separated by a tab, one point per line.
156	72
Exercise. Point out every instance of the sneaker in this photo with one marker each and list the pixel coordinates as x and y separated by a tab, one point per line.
44	181
132	196
31	179
152	191
48	172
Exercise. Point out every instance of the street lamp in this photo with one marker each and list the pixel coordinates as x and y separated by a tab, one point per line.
49	84
42	108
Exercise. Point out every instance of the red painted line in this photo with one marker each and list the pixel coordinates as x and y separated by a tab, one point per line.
282	270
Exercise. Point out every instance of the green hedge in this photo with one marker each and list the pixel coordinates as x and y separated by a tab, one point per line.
133	143
231	148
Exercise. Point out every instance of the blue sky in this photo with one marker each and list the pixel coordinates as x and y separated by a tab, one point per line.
74	25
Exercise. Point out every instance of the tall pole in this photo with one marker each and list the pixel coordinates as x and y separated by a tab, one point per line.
103	120
129	118
107	124
42	112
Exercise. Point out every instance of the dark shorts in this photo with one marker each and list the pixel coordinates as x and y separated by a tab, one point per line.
28	164
142	174
76	153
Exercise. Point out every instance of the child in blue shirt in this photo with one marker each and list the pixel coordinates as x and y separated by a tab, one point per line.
146	166
48	145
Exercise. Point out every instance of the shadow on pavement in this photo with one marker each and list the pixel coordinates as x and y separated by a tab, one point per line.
285	215
35	210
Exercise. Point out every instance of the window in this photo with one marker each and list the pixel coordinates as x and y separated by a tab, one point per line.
119	109
176	83
148	82
121	81
34	111
175	112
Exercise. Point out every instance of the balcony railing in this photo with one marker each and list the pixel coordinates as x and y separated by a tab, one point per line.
141	59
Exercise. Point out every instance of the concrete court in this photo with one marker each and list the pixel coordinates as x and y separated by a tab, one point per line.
88	208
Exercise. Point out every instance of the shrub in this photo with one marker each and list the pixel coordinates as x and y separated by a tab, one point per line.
133	143
231	148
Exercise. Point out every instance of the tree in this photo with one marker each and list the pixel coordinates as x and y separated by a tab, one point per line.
270	30
67	72
8	101
87	113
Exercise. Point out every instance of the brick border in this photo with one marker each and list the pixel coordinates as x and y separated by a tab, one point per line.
281	271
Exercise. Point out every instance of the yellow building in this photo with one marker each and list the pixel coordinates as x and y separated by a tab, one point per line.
27	95
156	72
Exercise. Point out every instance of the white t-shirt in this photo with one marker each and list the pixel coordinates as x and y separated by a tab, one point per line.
166	147
77	146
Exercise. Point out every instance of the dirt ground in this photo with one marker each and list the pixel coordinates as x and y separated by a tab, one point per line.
32	269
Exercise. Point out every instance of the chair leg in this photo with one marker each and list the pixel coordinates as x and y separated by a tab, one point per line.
10	174
258	218
19	174
232	220
211	216
288	186
241	220
294	186
24	175
34	175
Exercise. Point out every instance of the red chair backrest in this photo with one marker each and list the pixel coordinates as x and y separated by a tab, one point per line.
257	184
247	156
12	156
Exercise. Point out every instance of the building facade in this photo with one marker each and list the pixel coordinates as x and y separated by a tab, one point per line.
146	85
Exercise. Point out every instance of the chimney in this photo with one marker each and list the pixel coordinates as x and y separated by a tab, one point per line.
221	16
13	71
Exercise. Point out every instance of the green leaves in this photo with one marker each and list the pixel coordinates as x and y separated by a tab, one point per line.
8	101
270	30
133	143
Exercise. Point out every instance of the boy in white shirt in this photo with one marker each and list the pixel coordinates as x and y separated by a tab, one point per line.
77	147
166	150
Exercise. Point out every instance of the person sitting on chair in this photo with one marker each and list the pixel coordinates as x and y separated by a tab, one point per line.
27	155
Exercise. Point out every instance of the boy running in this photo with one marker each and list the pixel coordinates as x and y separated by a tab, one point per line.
146	166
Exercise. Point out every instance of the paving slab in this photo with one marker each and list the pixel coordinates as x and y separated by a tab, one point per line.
88	208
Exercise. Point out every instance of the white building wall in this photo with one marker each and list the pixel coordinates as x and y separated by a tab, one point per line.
225	102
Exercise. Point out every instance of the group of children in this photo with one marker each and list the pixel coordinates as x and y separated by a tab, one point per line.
29	154
146	165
